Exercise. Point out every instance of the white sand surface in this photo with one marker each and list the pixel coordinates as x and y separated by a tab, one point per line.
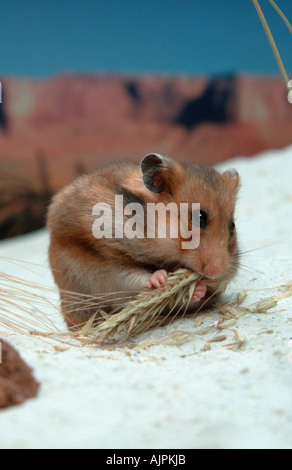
193	395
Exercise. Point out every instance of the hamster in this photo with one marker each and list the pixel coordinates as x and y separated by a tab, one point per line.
84	265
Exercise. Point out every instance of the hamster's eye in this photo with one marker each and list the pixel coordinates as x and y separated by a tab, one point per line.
231	227
203	219
200	218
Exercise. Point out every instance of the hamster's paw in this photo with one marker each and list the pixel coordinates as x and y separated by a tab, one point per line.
200	291
157	279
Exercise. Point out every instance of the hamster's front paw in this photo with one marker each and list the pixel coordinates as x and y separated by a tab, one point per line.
157	279
200	291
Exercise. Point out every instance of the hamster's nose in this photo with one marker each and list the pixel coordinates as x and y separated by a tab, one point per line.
211	269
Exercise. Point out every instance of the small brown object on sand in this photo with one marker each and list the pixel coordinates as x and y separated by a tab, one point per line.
17	383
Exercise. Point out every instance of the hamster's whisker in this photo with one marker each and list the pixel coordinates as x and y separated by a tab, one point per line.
251	268
275	243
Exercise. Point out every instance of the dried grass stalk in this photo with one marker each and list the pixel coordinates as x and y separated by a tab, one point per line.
147	309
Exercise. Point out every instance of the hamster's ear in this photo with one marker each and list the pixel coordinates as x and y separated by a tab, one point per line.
159	173
233	176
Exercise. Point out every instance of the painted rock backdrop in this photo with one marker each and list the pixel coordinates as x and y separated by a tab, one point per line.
52	130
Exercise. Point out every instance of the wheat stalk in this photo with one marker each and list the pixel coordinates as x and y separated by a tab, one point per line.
147	309
23	305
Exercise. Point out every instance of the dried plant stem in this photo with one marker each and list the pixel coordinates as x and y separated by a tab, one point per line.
272	42
282	15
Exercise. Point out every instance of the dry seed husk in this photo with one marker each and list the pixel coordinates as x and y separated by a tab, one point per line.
217	339
265	304
223	325
240	297
240	340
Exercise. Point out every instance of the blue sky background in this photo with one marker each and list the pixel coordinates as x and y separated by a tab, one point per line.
41	38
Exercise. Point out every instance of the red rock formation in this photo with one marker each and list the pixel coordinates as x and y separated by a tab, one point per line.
17	383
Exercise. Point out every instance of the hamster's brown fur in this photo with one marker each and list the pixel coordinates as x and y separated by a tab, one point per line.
83	264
